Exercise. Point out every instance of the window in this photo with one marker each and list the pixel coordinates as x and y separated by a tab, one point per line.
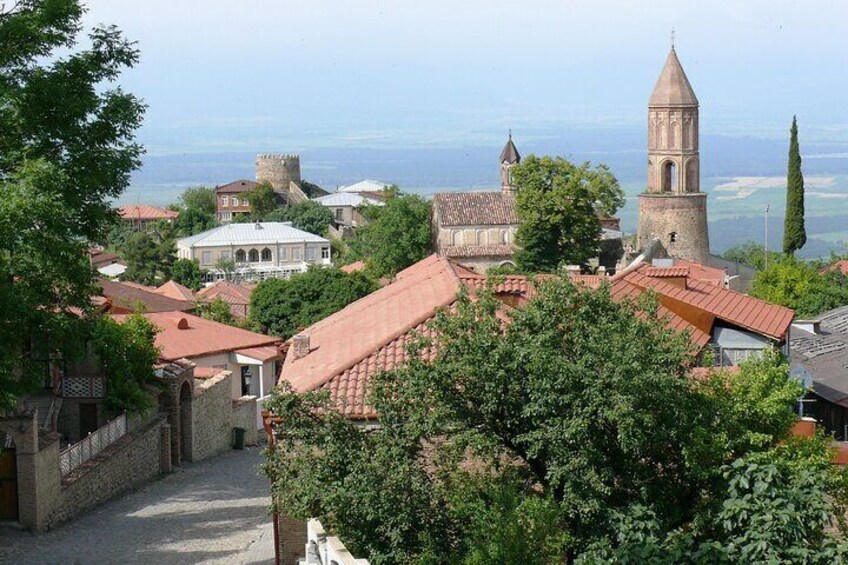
206	257
296	254
481	237
456	236
225	201
224	255
245	203
504	238
283	254
246	379
310	253
266	254
669	176
339	214
235	201
672	237
325	253
241	256
253	256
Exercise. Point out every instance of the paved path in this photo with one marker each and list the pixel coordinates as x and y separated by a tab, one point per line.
209	512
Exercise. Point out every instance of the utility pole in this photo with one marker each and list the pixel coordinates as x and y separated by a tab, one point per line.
766	241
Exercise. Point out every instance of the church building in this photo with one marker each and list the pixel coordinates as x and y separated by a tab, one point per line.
477	229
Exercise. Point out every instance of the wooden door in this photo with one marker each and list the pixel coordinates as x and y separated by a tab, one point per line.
87	418
8	484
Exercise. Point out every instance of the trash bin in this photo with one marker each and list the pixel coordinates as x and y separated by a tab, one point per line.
238	438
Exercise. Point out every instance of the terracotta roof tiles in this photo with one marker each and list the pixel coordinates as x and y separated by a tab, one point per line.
145	212
475	209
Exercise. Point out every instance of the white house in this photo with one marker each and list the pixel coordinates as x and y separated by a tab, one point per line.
345	206
259	251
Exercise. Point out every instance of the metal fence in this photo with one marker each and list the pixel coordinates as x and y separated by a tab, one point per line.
75	455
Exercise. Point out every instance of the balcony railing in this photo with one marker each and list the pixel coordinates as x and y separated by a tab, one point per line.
83	386
75	455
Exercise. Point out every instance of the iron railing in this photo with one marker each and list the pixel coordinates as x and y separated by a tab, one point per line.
75	455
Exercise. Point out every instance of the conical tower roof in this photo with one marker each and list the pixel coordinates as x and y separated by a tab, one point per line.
510	155
673	88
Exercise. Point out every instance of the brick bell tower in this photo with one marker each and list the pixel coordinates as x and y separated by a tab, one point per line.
673	209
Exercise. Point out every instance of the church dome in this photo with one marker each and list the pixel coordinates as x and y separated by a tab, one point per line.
673	88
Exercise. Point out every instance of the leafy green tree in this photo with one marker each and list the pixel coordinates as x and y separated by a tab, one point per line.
280	306
149	254
752	254
200	198
263	200
66	152
575	412
188	273
307	216
798	285
558	204
217	310
193	221
127	352
396	234
794	234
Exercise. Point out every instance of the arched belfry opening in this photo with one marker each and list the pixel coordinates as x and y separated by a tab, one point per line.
669	176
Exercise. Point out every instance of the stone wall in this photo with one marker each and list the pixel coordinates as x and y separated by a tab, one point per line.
244	416
279	170
46	499
212	415
215	414
132	461
683	215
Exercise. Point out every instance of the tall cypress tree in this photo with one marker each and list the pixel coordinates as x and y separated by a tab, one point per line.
794	234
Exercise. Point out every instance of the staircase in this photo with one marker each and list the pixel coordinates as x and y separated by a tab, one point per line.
48	409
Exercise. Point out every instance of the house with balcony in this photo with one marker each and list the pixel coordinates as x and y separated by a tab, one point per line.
251	252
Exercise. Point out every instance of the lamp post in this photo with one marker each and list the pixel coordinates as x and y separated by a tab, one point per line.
766	240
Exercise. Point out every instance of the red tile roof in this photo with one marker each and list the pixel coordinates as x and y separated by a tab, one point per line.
841	266
236	187
738	309
145	212
129	296
667	272
186	336
264	353
237	296
175	290
475	209
504	250
384	322
345	338
704	273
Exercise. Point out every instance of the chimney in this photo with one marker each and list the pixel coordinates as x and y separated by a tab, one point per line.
300	346
258	226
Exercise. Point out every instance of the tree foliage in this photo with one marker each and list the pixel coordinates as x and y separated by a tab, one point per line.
149	254
262	199
200	198
307	216
217	310
194	220
396	234
558	204
127	352
798	285
571	430
280	306
188	273
752	254
794	234
66	151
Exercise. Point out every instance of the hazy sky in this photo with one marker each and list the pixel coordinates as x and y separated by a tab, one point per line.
284	75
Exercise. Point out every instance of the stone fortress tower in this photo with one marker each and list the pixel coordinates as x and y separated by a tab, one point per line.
509	158
673	210
280	170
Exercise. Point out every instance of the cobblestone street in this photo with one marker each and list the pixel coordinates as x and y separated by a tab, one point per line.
209	512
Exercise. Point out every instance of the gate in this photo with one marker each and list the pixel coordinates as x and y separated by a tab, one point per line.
8	484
